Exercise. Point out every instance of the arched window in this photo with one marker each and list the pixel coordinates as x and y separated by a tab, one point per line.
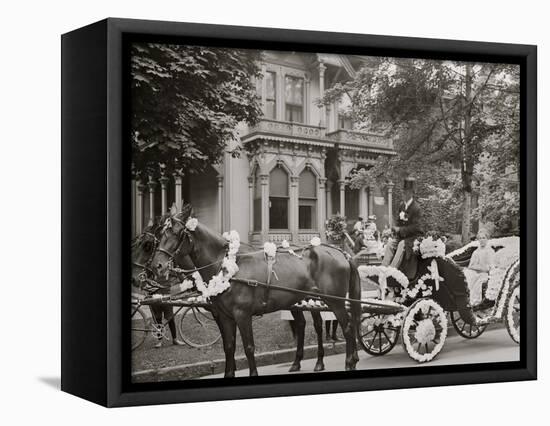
307	203
257	214
278	199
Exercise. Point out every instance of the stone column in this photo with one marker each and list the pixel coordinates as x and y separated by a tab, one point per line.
280	95
140	187
371	200
179	192
307	101
219	178
329	124
293	208
265	206
264	88
250	204
363	203
390	186
164	194
321	209
322	69
328	198
342	184
152	186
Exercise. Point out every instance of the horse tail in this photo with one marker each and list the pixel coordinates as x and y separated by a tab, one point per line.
355	293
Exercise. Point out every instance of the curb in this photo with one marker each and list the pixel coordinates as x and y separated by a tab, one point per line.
206	368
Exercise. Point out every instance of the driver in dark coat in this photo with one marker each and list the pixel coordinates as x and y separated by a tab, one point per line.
399	250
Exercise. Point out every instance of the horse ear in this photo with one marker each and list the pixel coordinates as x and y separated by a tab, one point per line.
173	210
187	210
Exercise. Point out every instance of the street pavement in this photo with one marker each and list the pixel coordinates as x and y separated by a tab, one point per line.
495	345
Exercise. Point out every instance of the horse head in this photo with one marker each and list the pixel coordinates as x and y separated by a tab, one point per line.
175	240
143	249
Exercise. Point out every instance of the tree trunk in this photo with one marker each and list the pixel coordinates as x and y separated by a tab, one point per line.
467	158
466	223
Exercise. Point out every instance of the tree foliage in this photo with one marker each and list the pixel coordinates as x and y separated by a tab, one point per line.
440	114
186	104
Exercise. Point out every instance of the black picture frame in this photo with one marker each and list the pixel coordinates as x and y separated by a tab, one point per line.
95	235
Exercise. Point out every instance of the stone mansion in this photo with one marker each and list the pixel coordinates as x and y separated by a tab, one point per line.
299	157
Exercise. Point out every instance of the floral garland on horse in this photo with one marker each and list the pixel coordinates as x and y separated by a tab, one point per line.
220	282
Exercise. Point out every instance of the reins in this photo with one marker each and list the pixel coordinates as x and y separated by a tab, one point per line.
184	233
254	283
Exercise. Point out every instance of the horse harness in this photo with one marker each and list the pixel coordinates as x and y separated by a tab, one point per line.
143	277
271	260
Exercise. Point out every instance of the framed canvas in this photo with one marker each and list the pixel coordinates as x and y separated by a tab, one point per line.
354	205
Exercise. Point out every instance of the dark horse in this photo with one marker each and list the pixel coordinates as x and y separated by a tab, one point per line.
322	269
143	249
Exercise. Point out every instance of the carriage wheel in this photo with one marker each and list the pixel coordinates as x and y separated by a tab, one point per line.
377	336
424	330
511	317
140	326
198	328
468	331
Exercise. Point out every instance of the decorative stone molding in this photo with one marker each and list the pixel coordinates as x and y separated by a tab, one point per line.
361	139
288	128
305	238
279	237
264	179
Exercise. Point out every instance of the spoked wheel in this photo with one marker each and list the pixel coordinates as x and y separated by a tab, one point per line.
511	315
198	328
378	336
140	326
424	330
468	331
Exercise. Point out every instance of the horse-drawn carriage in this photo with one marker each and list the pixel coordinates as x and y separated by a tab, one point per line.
440	290
413	309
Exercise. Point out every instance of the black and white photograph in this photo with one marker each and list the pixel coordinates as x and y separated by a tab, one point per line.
299	212
273	214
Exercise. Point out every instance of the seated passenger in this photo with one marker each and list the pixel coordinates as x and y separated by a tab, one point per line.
477	272
358	227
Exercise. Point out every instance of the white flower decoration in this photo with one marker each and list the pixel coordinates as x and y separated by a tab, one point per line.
192	223
185	285
432	248
270	249
315	241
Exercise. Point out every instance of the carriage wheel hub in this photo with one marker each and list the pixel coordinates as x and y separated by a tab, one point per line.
425	331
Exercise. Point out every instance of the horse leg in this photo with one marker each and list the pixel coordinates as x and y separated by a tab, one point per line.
244	322
300	324
318	324
228	331
341	314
